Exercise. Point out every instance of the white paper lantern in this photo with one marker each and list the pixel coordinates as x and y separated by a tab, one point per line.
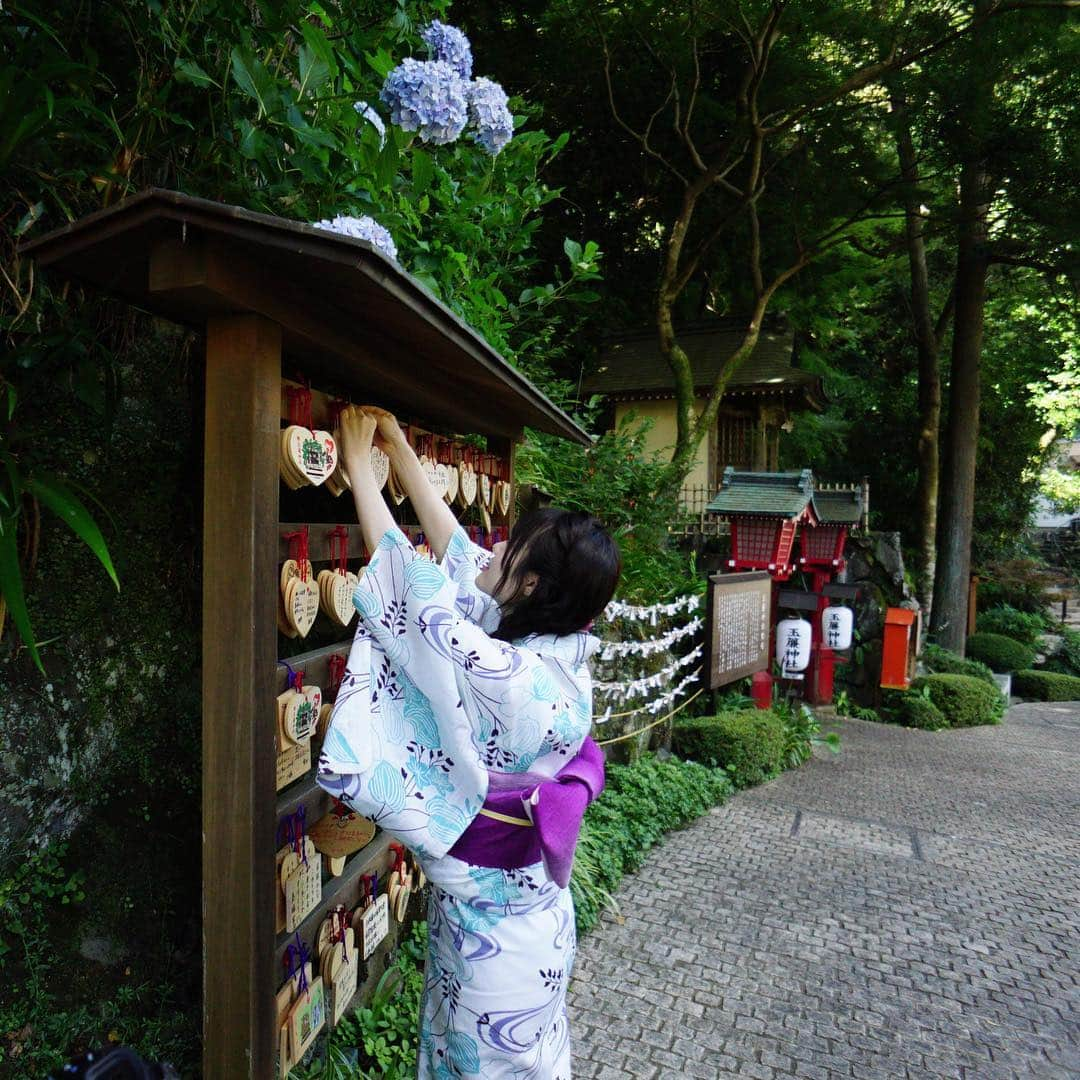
836	627
793	644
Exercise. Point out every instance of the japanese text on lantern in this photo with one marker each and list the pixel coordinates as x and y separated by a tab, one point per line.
738	626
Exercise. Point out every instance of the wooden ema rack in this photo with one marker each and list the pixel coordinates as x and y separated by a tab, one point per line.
276	298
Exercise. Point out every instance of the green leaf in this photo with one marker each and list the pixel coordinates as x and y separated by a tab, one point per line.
189	72
314	71
423	169
572	249
318	43
250	75
381	62
11	588
62	502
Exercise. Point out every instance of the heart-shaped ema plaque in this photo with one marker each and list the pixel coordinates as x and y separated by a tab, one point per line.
505	491
341	598
290	470
395	491
380	466
466	485
453	480
301	716
441	481
429	467
485	490
301	604
338	835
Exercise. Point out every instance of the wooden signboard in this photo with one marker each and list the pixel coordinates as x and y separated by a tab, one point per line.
737	626
281	303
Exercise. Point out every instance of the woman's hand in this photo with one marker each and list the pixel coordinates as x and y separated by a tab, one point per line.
356	429
388	434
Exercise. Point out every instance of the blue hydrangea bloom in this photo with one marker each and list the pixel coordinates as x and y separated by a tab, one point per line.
429	97
364	228
449	44
373	118
489	115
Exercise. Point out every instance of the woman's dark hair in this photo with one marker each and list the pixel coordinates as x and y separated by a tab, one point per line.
577	564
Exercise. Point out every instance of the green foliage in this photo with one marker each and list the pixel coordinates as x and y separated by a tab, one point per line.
802	729
846	707
1000	653
28	897
1023	626
623	484
913	709
384	1031
1019	581
639	804
962	700
1046	686
751	744
945	662
1065	659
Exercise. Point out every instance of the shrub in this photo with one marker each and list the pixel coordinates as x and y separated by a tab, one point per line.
913	709
1000	653
1065	659
943	662
639	804
750	743
1022	626
1046	686
1019	582
964	701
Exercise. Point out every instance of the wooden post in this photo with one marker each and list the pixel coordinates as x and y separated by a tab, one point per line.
240	505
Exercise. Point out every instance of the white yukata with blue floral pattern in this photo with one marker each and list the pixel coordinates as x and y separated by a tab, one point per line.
429	703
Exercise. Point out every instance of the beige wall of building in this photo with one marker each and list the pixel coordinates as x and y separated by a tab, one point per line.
662	436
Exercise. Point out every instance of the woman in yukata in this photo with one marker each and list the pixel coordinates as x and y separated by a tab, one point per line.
461	727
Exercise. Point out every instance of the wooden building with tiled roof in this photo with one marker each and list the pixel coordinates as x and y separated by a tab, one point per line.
760	399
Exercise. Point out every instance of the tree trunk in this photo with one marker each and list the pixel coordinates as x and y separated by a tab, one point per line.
926	343
949	621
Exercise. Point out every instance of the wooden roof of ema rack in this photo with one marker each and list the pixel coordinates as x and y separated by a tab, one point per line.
349	313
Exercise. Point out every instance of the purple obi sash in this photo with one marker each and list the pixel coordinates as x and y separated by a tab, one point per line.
546	813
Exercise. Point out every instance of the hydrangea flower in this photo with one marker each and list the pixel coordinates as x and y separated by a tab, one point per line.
449	44
373	118
429	97
489	115
363	228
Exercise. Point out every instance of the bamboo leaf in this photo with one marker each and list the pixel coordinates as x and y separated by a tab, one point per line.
190	72
60	500
11	588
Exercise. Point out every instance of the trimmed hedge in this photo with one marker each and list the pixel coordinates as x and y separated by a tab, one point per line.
913	710
1046	686
1023	626
943	662
750	743
1000	653
964	701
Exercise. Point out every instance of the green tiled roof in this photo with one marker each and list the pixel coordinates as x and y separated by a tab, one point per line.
763	494
839	507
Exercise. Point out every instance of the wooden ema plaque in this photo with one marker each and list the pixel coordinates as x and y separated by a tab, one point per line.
275	301
737	626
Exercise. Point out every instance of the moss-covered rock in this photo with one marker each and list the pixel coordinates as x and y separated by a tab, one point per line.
962	700
1000	653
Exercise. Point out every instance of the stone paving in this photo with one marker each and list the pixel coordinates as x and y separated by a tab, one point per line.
907	908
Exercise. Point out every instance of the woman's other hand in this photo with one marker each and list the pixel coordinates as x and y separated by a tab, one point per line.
388	434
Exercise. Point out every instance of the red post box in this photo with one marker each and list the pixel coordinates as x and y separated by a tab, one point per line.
900	648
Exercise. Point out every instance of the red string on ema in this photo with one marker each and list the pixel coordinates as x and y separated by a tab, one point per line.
299	399
335	667
298	550
338	539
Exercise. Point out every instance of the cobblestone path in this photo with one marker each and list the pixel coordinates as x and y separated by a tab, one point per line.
907	908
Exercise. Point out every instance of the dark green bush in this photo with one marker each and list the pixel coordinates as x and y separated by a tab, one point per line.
1046	686
1020	582
750	743
964	701
1000	653
912	709
1024	626
1065	659
944	662
640	803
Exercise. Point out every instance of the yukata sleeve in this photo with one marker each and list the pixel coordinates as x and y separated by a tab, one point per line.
408	758
462	561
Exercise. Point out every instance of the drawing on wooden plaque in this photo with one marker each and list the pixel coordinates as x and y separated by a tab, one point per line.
737	626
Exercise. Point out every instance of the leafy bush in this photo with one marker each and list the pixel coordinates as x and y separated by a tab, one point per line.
1046	686
1065	659
1019	583
1000	653
913	709
802	731
640	803
962	700
1024	626
945	662
750	743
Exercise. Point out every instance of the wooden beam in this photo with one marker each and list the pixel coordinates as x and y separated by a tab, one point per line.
243	373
